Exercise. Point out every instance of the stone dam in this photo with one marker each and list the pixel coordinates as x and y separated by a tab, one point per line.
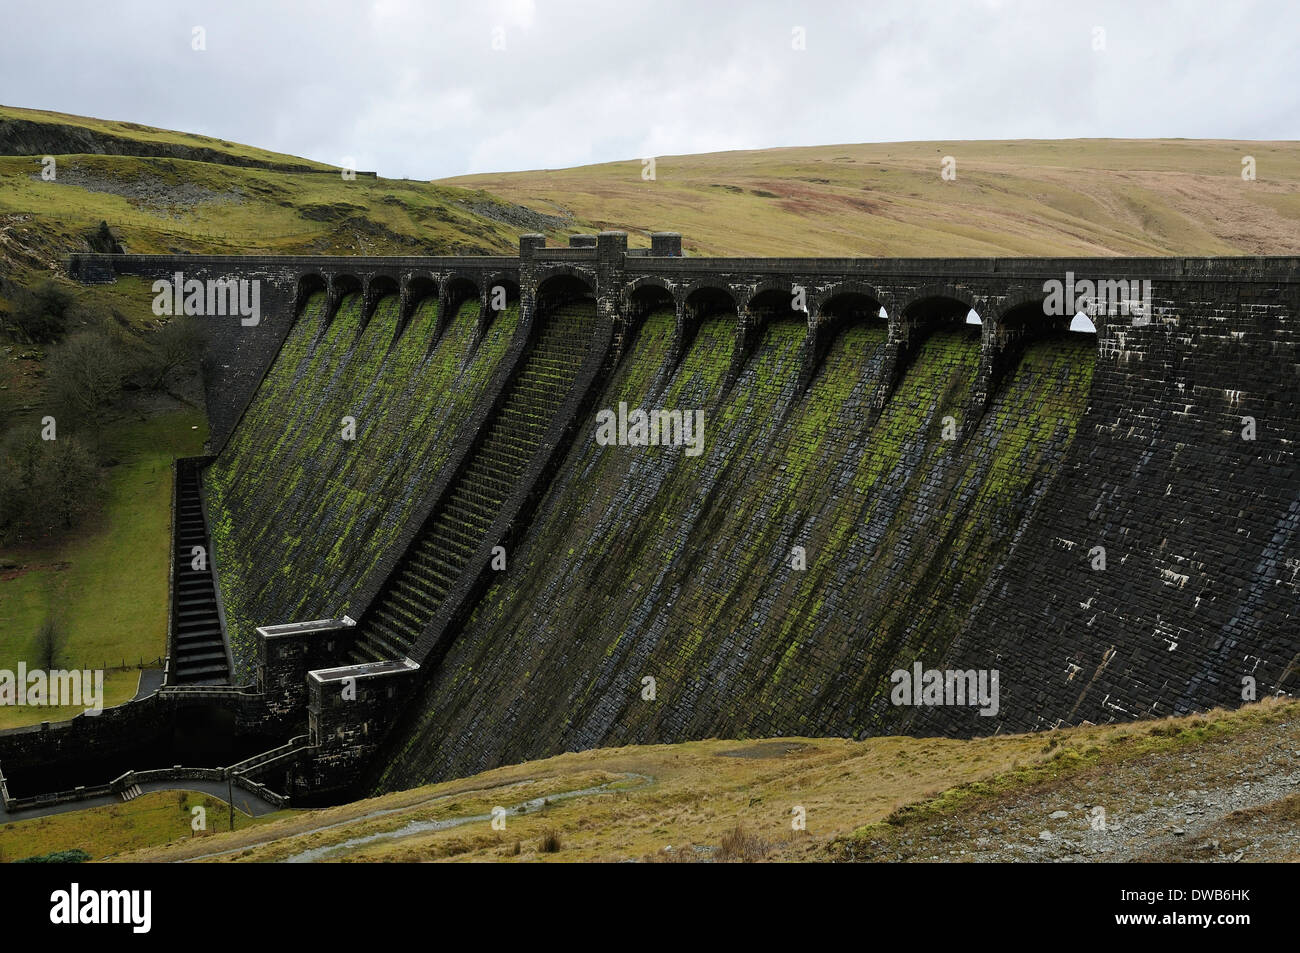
426	564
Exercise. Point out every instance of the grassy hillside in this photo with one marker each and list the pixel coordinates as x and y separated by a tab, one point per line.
1078	197
1218	782
38	132
163	191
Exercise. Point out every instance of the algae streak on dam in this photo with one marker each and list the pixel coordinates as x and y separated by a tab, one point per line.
294	489
649	563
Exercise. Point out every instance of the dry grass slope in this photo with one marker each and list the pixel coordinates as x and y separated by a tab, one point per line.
884	798
1070	197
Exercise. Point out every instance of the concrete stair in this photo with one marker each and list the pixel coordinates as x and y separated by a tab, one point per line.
460	522
198	652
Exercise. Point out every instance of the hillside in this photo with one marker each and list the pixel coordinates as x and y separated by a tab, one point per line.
1076	197
884	798
162	191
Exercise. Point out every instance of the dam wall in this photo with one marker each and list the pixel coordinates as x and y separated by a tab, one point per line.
901	462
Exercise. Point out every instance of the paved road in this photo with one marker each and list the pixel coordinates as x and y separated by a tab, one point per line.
245	802
151	679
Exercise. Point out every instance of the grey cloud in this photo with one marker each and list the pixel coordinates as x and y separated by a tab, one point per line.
416	89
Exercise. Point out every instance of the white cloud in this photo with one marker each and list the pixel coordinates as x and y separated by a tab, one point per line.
415	89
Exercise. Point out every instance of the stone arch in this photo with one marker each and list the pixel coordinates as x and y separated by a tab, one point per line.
643	288
774	303
928	309
1024	313
344	282
932	307
769	302
509	284
831	311
376	287
643	295
557	286
848	298
701	300
339	285
313	282
457	288
565	282
462	285
1021	319
767	289
638	299
564	269
417	288
943	292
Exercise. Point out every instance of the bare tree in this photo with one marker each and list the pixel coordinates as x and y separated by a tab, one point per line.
176	347
85	372
50	642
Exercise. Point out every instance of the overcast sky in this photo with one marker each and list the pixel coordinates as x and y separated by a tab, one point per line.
421	89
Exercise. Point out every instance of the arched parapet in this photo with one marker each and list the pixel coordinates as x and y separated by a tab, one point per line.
926	310
830	311
337	287
701	300
758	302
500	291
1025	315
416	288
456	288
579	273
768	301
930	307
845	300
313	282
560	284
638	299
375	288
647	288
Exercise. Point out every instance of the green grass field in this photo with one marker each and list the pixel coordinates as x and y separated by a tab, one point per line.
108	585
161	817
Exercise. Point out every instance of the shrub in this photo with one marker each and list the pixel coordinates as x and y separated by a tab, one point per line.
104	241
41	314
44	484
550	843
85	373
74	856
740	845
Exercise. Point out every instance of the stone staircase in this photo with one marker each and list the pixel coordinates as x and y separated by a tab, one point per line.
198	651
459	523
